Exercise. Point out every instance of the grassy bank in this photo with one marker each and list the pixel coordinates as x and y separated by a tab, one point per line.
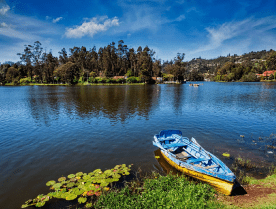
161	192
261	194
78	84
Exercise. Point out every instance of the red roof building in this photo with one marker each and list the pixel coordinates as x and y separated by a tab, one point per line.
267	73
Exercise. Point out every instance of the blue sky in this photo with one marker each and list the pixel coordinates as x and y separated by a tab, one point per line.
197	28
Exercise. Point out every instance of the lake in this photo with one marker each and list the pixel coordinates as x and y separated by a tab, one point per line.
50	131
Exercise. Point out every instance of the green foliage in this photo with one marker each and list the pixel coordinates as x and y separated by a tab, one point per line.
25	80
92	184
121	80
162	192
250	77
129	73
167	77
50	183
82	200
132	80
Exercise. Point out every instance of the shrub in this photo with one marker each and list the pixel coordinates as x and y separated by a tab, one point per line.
132	80
250	77
121	80
25	80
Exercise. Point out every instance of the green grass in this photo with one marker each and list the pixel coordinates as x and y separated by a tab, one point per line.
161	192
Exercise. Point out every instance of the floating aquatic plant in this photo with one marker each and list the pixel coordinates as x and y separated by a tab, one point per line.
80	185
226	154
82	200
50	183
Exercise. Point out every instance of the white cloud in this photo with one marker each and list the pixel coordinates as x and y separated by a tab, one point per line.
180	18
57	19
95	25
3	25
248	30
4	9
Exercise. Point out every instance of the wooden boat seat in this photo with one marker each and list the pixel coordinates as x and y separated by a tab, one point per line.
183	155
212	166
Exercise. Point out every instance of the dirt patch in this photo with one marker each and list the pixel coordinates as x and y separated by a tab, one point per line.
255	195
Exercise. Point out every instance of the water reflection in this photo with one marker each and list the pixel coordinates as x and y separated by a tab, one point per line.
117	103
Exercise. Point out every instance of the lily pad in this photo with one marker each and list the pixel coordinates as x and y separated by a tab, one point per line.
71	197
57	185
73	179
71	184
88	205
104	184
90	193
71	176
226	154
39	204
78	191
62	179
50	183
79	174
82	200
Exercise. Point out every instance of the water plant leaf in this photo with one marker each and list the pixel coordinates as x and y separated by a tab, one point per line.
28	201
82	200
25	206
62	179
86	177
73	179
107	172
50	183
79	174
104	184
39	204
71	176
78	191
51	194
98	193
71	184
64	195
226	154
117	176
90	193
71	196
88	205
57	185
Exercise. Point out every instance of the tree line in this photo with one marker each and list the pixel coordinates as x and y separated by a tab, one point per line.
247	70
83	65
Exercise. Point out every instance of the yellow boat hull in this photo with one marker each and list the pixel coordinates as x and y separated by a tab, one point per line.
222	186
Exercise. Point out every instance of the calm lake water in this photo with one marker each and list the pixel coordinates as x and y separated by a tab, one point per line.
50	131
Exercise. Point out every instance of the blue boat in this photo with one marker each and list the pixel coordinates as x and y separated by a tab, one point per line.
187	156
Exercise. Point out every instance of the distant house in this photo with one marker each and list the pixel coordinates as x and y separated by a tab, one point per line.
266	73
160	79
117	77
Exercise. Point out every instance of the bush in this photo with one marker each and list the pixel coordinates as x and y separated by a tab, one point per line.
250	77
110	80
92	80
121	80
25	80
132	80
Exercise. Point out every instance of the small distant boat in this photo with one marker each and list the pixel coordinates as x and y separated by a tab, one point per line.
190	158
